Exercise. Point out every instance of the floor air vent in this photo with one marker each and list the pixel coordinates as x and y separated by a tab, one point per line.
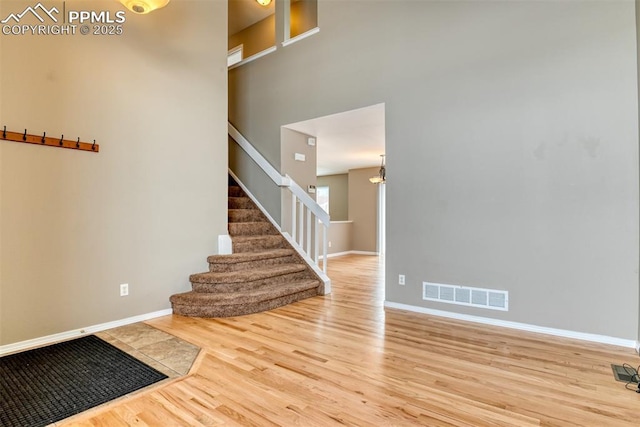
625	374
462	295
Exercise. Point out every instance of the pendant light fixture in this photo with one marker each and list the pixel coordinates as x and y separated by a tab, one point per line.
381	178
264	2
144	6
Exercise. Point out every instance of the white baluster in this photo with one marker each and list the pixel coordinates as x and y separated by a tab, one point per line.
316	241
309	215
324	249
294	208
301	224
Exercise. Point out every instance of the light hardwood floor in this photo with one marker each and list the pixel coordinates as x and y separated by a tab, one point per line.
345	360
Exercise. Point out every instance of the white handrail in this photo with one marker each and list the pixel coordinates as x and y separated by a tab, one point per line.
281	181
301	235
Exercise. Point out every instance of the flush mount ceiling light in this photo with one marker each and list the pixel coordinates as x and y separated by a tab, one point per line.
144	6
264	2
381	178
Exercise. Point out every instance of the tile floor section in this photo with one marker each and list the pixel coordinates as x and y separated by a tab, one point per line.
160	350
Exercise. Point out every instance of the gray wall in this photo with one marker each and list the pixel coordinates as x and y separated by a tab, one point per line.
302	172
338	195
148	208
340	237
363	209
512	145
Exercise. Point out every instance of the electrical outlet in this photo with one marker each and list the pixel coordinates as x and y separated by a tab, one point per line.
401	279
329	243
124	289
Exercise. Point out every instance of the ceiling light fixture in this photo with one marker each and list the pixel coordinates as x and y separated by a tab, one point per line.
381	178
144	6
264	2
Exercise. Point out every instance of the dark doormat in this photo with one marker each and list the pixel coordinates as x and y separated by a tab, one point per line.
48	384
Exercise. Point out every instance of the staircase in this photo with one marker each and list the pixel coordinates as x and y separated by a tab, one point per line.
264	271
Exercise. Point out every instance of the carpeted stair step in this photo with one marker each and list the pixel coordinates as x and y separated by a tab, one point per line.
240	203
213	282
236	191
246	215
258	243
250	260
252	229
241	303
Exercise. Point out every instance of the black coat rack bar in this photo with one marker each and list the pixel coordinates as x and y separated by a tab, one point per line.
48	140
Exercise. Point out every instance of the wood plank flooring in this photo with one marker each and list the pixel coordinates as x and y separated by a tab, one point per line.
345	360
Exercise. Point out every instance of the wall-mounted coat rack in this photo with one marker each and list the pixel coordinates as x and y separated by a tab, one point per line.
47	140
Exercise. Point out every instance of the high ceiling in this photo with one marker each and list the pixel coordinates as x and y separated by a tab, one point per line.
350	140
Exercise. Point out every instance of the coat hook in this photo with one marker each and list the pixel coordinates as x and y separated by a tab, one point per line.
44	134
61	139
93	147
78	143
24	137
4	133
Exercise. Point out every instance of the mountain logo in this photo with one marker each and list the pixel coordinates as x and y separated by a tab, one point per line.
34	11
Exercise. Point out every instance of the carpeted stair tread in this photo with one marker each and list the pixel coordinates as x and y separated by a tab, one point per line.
246	275
240	203
236	191
266	292
252	228
257	243
250	256
251	260
246	215
238	304
249	285
229	310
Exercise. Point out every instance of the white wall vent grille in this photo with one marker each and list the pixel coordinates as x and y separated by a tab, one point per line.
463	295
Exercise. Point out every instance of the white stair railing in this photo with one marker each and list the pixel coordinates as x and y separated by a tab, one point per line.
304	208
305	238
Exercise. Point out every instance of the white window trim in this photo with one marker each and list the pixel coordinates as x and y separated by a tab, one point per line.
301	36
234	51
254	57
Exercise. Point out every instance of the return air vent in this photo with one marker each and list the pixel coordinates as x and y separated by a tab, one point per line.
462	295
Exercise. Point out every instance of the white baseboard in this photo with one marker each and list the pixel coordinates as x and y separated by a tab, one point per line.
337	254
51	339
602	339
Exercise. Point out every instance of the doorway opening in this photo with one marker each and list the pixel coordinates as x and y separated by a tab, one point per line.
348	146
